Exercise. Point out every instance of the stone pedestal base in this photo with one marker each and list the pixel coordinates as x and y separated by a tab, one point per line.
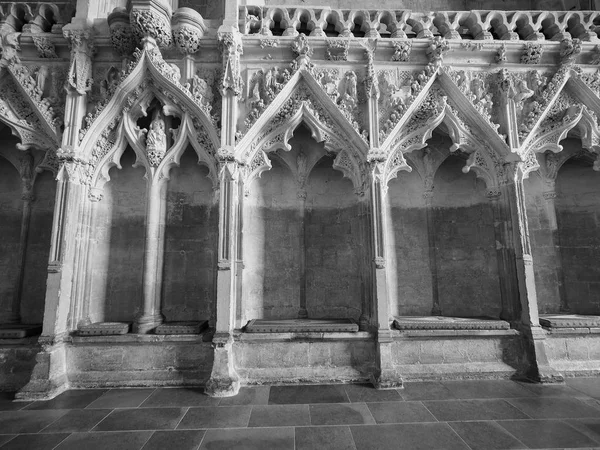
147	324
224	381
540	370
49	377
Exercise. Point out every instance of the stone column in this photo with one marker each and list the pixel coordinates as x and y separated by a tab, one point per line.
49	376
26	170
385	377
302	311
550	203
436	309
540	369
507	272
366	265
224	381
150	316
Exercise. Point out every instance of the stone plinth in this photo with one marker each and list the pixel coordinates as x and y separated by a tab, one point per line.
104	329
449	323
301	326
182	327
18	331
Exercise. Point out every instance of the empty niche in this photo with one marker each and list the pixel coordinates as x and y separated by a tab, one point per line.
578	216
191	238
118	244
271	245
11	209
408	246
38	248
466	260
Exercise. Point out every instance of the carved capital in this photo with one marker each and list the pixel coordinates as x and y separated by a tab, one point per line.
152	20
188	28
379	262
493	193
549	195
376	155
226	154
224	264
121	33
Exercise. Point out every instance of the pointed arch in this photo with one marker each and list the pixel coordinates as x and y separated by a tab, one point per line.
150	73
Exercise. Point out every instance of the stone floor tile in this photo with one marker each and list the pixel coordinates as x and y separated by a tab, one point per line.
472	389
340	414
546	434
367	393
415	436
73	399
4	438
7	403
141	419
328	393
589	386
589	427
176	440
77	420
216	417
425	390
249	439
552	390
121	398
320	438
554	408
400	412
486	436
35	441
17	422
248	395
128	440
491	409
279	416
179	397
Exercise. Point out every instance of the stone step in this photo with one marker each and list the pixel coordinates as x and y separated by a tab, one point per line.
449	323
301	325
104	329
182	327
19	331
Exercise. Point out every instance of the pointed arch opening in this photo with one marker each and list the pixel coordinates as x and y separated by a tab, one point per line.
303	237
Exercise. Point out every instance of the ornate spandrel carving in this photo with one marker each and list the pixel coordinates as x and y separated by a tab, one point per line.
436	51
532	53
569	49
80	70
45	47
337	49
402	50
10	49
500	56
264	86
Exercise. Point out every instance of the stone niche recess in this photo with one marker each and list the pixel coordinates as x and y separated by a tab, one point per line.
302	238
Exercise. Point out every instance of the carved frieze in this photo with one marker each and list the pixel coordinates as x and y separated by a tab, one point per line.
337	49
532	53
402	51
45	47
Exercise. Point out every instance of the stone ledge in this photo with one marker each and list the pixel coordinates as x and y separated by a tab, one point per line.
301	326
406	323
180	328
454	333
570	322
307	336
140	339
19	331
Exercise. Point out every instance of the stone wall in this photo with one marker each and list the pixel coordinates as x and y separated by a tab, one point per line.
118	244
190	243
578	216
10	229
468	283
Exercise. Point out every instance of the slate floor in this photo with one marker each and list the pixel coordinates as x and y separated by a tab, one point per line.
446	415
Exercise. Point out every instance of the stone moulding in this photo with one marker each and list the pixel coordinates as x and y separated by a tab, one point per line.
448	323
104	329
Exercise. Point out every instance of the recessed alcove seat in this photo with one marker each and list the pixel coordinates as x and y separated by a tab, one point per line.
182	327
19	331
570	323
301	326
104	329
410	323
